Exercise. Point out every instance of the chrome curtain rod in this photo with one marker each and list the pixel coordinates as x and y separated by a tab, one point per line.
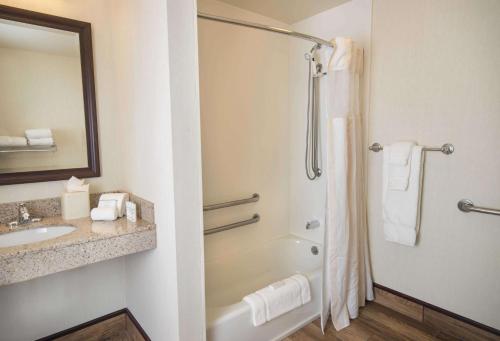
265	28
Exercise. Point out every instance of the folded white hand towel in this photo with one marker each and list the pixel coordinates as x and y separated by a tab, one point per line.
120	198
103	213
305	290
46	141
277	285
258	308
281	300
278	298
12	141
401	208
38	133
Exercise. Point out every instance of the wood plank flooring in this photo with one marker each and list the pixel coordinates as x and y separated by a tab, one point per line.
118	328
377	322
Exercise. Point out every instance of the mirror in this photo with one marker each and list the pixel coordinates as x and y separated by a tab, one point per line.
48	127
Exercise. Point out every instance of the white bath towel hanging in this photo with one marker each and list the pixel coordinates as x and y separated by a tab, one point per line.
401	192
347	279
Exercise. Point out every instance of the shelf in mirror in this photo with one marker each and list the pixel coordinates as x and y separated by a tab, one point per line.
21	149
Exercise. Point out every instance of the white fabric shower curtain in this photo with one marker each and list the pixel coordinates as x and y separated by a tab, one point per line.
347	281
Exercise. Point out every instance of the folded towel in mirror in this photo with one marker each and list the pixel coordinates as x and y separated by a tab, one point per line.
38	133
12	141
47	141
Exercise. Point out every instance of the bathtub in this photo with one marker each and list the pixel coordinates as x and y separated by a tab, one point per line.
230	278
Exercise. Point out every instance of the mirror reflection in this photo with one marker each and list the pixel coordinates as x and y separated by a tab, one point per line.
41	99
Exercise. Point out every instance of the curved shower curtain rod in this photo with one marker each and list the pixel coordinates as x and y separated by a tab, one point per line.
266	28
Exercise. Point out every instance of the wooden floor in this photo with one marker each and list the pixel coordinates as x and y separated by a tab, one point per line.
118	328
377	322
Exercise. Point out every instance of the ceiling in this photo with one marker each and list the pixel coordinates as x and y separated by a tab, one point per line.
287	11
16	35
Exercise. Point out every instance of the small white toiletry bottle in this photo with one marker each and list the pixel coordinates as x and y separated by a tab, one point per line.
131	211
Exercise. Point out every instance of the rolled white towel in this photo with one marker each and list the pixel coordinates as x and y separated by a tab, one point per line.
47	141
103	213
12	141
119	198
38	133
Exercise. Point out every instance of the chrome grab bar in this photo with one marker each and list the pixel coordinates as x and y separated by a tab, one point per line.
213	230
254	198
465	205
446	148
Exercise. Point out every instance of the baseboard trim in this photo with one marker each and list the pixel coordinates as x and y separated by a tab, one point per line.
98	320
439	310
137	325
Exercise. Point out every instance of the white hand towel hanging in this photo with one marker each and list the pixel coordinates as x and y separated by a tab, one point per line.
401	192
399	155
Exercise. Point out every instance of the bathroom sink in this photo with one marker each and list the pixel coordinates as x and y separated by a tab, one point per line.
34	235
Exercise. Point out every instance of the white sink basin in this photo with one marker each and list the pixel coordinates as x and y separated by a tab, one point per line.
34	235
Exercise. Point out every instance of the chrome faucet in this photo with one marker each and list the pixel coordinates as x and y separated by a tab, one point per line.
23	217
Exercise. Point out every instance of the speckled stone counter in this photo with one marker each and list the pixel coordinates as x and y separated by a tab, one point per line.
91	242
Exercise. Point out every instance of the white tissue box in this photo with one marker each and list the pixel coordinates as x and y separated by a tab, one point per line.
75	205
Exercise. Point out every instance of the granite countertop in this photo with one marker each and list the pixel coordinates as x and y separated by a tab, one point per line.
91	242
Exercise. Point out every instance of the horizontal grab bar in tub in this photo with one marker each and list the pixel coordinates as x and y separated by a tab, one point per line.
213	230
254	198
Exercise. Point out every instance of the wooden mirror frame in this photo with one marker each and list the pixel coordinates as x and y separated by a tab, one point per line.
86	59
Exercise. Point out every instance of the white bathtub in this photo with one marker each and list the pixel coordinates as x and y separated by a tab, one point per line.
230	278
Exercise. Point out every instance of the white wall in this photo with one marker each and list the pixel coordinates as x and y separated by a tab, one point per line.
307	198
142	87
156	79
244	120
43	306
186	146
436	79
47	305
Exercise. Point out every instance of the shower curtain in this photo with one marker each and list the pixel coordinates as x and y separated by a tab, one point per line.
347	281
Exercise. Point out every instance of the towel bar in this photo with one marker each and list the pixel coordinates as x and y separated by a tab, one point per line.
213	230
446	148
465	205
254	198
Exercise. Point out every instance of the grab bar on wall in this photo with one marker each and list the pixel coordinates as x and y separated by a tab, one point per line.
446	148
254	198
213	230
465	205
